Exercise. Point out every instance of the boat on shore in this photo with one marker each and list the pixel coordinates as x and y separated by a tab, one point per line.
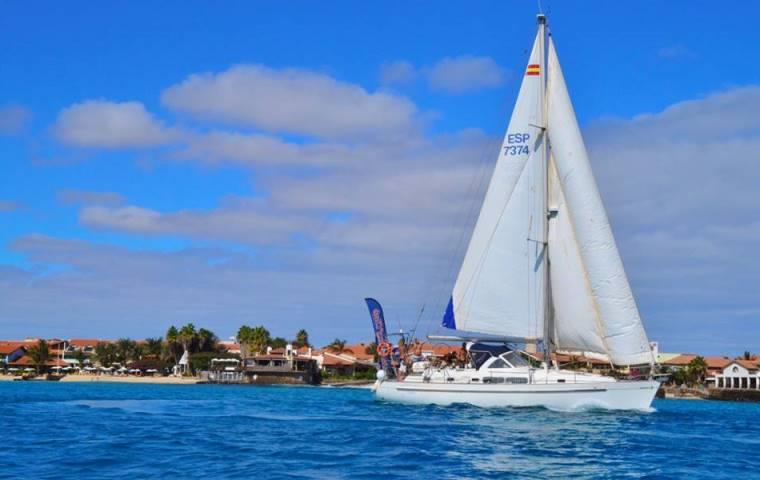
542	268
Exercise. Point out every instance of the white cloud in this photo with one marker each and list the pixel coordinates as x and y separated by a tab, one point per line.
109	291
238	220
465	73
13	119
84	197
105	124
384	215
681	189
260	150
291	101
397	72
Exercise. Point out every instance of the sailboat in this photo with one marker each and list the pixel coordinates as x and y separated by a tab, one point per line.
542	268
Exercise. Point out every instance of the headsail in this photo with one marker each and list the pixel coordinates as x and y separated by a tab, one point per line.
498	283
593	302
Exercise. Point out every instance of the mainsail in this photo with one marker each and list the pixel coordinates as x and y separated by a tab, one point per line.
502	285
493	290
609	305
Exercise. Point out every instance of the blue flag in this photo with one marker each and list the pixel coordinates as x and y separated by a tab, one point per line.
381	334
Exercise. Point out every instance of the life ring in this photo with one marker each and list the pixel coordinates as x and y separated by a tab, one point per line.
384	349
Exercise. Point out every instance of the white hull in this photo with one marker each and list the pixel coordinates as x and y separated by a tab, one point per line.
617	395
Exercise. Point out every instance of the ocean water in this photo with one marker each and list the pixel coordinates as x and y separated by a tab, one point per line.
126	431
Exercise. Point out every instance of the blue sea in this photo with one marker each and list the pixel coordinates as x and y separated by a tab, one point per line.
127	431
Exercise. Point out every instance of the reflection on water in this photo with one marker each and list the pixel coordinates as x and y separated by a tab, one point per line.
151	431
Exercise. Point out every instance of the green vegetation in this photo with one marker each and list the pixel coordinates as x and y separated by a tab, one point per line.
371	349
694	373
40	354
202	360
368	373
302	339
337	346
127	350
153	347
253	340
80	357
105	353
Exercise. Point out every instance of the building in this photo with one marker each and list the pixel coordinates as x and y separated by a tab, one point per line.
11	351
739	374
352	360
85	345
280	366
230	347
26	363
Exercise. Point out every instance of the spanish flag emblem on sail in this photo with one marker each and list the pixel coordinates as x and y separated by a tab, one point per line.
533	69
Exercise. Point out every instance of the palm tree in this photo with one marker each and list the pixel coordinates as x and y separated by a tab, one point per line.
207	340
106	353
696	370
40	354
253	340
371	349
259	339
126	350
302	339
278	342
243	338
187	335
153	346
337	346
173	345
80	357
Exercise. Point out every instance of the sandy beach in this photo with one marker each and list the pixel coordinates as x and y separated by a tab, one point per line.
116	379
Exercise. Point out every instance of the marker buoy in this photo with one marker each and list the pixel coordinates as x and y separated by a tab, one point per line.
384	349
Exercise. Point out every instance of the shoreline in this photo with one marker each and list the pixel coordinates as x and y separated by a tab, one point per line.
112	379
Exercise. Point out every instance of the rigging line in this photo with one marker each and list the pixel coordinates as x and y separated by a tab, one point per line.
482	258
505	107
475	185
466	214
487	147
416	324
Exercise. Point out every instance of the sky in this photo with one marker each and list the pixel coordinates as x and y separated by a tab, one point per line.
275	163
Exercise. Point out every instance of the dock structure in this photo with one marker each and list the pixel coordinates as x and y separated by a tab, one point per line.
280	367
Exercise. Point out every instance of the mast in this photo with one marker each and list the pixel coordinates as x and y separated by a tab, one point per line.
543	193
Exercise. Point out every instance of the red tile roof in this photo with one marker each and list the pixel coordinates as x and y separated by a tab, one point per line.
717	363
681	360
26	361
359	351
10	347
87	342
748	364
331	360
230	346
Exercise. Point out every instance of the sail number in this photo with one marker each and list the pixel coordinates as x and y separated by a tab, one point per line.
516	144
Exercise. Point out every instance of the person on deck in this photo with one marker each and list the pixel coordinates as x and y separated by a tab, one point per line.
462	356
402	370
